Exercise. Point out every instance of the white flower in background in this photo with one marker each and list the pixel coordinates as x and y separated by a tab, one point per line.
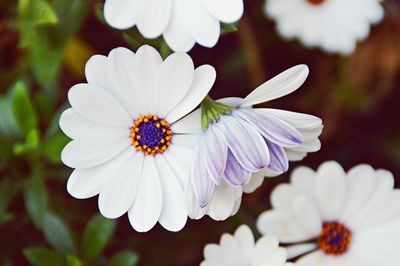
131	144
181	22
337	218
240	249
333	25
243	144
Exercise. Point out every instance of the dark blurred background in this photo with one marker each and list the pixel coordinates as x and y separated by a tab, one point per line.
43	48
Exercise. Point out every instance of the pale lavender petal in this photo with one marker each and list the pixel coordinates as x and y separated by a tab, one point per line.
202	182
245	143
215	153
279	162
271	127
234	174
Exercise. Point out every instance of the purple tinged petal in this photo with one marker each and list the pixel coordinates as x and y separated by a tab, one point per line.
234	174
202	182
279	162
215	153
271	127
245	143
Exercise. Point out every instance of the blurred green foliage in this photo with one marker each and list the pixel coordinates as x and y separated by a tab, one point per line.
31	144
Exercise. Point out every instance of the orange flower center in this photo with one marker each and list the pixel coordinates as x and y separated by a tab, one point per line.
151	135
316	2
335	239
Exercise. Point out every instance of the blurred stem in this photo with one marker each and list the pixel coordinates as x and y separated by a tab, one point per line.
251	52
165	51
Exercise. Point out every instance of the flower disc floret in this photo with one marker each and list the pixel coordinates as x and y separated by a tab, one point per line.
335	238
151	135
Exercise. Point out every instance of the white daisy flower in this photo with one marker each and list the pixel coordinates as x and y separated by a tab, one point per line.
333	25
181	22
240	142
131	144
337	218
240	249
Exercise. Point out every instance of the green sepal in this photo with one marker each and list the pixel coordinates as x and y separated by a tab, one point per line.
211	110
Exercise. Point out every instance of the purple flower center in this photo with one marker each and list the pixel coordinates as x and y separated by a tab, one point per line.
151	135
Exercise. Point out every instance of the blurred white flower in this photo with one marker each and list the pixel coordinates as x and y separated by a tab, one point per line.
181	22
329	217
240	249
333	25
130	143
243	144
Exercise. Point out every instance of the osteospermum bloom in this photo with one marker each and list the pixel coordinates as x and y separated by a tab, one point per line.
181	22
132	143
333	25
239	141
240	249
337	218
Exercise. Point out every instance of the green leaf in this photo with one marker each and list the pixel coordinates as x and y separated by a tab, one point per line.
53	147
38	12
8	190
8	126
99	12
124	258
38	256
22	108
72	260
227	28
36	199
57	234
96	236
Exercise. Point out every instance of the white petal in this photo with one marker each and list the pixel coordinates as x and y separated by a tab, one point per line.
142	76
297	120
212	252
153	17
92	152
281	85
190	124
307	215
282	197
146	209
227	11
316	258
194	210
96	72
331	189
300	249
304	181
204	28
245	143
222	202
203	183
121	70
119	191
255	182
174	214
186	140
268	253
282	225
86	183
97	105
245	239
121	14
204	78
77	127
362	183
176	34
215	153
173	82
